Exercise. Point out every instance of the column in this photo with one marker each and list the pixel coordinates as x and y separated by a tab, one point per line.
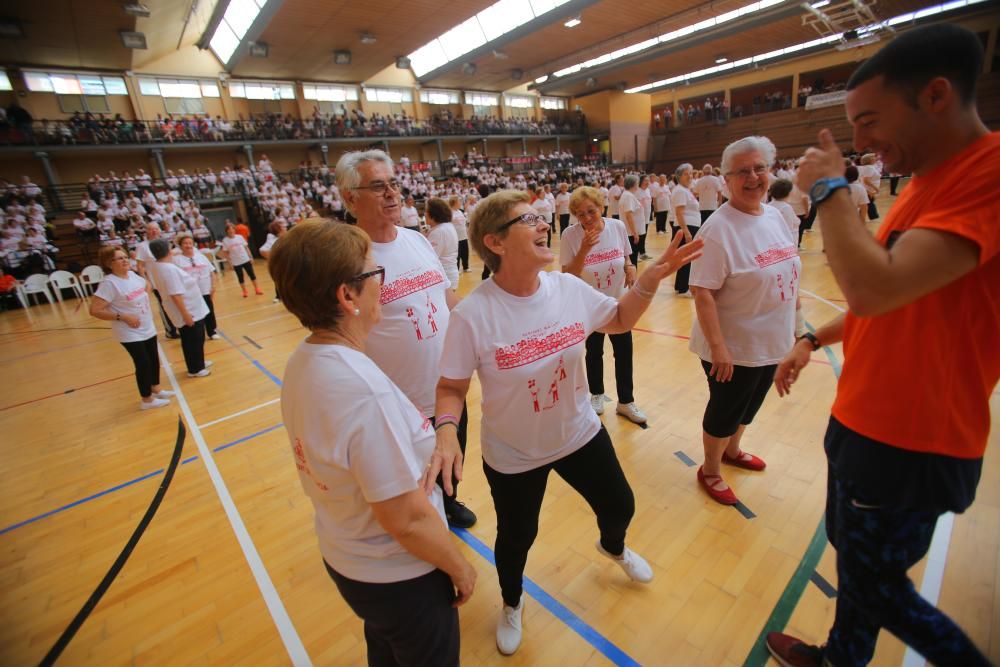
50	176
795	90
160	165
440	148
324	151
248	149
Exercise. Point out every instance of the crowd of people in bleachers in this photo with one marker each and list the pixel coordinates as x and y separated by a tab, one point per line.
90	128
25	233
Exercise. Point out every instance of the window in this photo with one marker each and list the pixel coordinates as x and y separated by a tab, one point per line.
482	99
552	103
391	95
83	103
519	101
69	83
4	82
149	87
239	16
262	90
183	106
439	96
321	93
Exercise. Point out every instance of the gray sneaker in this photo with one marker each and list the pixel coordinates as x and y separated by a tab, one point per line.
631	412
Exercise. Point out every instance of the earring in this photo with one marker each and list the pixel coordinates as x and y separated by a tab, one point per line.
357	311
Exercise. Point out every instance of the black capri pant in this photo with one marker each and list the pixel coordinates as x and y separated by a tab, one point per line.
595	473
735	403
248	267
407	623
146	359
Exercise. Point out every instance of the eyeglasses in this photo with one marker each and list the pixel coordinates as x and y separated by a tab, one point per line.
758	170
379	187
377	271
528	220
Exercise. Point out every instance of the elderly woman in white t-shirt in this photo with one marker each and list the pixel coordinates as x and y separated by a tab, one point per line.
236	251
745	290
361	448
184	305
443	237
523	332
193	262
688	218
123	299
630	210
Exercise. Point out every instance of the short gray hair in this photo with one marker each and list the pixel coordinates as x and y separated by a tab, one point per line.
347	175
679	171
761	145
631	181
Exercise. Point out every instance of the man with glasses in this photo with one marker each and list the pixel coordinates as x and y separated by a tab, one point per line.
416	300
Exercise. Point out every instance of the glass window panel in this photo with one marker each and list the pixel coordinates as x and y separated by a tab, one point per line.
542	6
66	84
114	85
240	14
287	91
224	42
91	85
38	82
209	89
97	103
4	82
502	17
427	58
463	38
237	89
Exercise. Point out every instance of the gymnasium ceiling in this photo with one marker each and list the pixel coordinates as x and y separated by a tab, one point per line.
302	34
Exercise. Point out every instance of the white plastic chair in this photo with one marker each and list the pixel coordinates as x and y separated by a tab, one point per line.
213	256
60	280
36	283
91	277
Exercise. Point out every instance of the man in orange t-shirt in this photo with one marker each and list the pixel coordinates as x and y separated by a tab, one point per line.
242	229
921	340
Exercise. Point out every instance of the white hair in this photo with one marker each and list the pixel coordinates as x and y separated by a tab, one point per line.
346	173
761	145
687	166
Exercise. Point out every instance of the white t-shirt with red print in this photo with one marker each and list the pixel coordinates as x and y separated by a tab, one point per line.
528	352
128	296
237	250
406	344
604	265
753	263
356	440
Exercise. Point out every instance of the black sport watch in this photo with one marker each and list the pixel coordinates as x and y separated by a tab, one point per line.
812	340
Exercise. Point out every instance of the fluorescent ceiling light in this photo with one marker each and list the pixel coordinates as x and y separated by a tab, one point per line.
821	3
720	60
542	79
573	22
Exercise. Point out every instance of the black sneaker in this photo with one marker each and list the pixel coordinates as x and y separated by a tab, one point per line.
459	516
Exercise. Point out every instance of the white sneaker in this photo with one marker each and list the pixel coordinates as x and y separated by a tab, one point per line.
597	402
215	337
644	256
163	393
204	372
509	628
209	363
276	300
635	566
153	404
631	412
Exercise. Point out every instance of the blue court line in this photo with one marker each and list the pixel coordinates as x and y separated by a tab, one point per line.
129	483
271	376
687	460
744	510
824	585
556	608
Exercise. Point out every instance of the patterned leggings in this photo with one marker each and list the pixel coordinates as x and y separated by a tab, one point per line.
875	548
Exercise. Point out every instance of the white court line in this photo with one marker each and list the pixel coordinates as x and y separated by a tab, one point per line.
241	313
930	587
268	319
241	412
293	643
819	298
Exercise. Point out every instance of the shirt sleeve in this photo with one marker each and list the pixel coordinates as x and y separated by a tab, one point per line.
459	359
380	455
169	279
106	291
712	268
569	245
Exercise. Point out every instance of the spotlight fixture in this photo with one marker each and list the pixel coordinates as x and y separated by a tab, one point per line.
469	68
368	38
258	49
132	40
573	22
500	55
402	62
590	82
517	74
342	57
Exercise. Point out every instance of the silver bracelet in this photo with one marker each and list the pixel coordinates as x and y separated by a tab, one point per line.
643	294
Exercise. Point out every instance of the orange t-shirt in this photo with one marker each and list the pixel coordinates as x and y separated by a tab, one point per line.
920	377
243	231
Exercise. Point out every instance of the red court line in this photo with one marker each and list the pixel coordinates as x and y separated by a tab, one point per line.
679	336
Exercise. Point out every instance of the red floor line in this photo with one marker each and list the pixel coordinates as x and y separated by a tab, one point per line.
67	391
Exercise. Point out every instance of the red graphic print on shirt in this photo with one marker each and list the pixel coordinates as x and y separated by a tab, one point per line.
303	465
401	287
529	350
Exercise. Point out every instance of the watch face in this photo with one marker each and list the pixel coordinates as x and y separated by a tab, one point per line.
819	190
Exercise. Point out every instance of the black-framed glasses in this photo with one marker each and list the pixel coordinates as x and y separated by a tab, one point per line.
377	271
379	187
528	220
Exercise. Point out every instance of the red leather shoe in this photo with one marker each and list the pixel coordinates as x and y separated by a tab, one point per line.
744	460
709	482
792	652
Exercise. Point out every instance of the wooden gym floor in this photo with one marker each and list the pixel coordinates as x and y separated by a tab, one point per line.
228	571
